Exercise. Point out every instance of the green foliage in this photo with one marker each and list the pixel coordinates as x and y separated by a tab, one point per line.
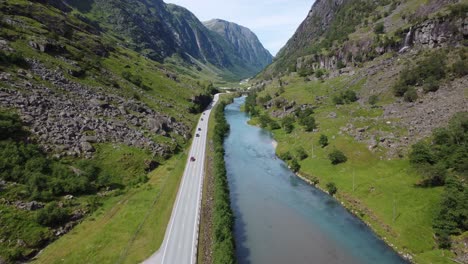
460	67
294	165
13	59
431	85
428	71
331	188
251	104
301	154
265	99
274	125
287	123
373	99
379	28
52	215
264	120
459	10
452	217
345	97
340	64
223	218
337	157
323	140
135	79
285	156
304	72
309	123
10	125
410	95
319	73
421	154
446	155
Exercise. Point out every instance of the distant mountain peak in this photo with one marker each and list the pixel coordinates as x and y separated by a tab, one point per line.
245	42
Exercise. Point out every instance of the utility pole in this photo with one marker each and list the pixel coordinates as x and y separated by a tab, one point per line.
353	180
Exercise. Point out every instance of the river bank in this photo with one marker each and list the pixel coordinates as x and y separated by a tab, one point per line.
350	204
383	195
281	218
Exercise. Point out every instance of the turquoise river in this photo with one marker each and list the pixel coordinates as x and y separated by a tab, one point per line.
282	219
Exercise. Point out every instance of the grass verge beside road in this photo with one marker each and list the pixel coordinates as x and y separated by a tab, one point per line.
127	228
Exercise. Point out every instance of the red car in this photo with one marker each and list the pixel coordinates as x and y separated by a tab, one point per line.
192	159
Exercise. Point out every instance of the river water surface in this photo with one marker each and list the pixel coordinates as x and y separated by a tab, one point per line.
282	219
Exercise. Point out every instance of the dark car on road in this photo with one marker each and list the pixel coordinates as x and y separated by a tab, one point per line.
198	135
199	129
192	158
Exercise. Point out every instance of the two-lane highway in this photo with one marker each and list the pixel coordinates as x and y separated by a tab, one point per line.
181	238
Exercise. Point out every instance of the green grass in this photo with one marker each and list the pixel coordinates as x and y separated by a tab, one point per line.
127	228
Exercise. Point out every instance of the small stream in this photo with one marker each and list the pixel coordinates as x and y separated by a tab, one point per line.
282	219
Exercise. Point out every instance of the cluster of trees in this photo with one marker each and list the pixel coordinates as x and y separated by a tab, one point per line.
446	154
444	161
346	97
223	224
305	119
251	104
293	160
427	73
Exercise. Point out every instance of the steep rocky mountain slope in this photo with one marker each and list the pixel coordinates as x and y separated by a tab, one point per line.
379	80
94	95
245	42
160	31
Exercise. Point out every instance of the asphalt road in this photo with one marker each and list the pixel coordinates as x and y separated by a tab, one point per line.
181	238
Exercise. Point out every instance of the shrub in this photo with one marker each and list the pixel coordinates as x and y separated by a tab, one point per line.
338	100
274	125
451	219
350	96
340	64
411	95
288	124
331	188
285	156
323	140
379	28
346	97
294	165
431	85
309	123
337	157
400	88
301	154
460	68
223	218
373	100
421	154
13	58
52	215
319	73
314	180
264	120
304	72
10	125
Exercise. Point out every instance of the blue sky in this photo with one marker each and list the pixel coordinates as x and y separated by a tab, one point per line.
273	21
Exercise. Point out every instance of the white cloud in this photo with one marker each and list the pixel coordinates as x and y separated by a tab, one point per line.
274	21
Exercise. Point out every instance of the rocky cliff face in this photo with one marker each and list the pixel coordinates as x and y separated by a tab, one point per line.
245	42
317	21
